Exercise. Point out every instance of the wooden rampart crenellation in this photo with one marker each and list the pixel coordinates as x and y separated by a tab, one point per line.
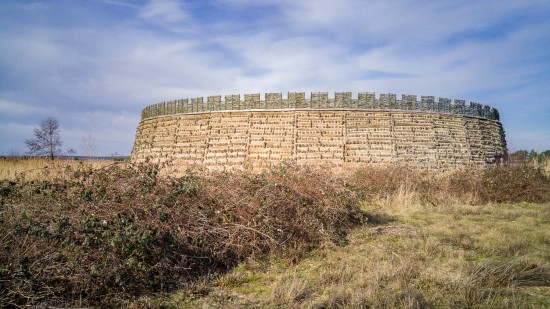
320	100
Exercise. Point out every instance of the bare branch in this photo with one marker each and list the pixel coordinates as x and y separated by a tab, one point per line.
47	140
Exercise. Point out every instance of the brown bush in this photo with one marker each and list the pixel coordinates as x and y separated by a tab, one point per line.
515	183
510	183
107	235
103	236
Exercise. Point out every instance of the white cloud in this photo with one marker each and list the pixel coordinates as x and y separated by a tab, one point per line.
164	11
122	3
17	108
469	49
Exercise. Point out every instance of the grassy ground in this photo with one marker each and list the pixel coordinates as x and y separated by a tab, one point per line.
76	234
411	256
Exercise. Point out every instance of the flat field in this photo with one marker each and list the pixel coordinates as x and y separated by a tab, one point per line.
41	169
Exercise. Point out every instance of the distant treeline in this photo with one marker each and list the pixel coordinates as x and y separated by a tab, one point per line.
533	156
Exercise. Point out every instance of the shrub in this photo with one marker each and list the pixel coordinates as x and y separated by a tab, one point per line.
510	183
515	183
127	232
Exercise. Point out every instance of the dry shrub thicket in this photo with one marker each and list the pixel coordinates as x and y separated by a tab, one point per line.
504	184
105	236
432	241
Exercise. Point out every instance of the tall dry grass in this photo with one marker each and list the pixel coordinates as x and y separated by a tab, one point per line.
36	168
512	183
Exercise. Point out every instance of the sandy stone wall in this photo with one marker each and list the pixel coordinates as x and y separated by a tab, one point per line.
336	138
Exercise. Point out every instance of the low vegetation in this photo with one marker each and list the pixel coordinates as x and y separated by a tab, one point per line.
104	236
289	237
453	256
455	240
39	169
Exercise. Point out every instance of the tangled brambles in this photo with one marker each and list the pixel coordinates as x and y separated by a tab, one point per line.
104	236
507	184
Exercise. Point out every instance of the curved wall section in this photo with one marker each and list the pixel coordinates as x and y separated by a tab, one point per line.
338	138
320	100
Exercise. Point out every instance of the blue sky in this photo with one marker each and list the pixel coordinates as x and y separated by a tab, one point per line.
94	64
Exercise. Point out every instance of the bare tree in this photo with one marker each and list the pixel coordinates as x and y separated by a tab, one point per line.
47	140
88	145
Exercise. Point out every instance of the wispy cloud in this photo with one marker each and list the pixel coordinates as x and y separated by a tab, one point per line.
97	68
122	3
18	108
164	11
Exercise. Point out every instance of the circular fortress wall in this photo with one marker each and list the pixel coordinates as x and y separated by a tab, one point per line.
339	132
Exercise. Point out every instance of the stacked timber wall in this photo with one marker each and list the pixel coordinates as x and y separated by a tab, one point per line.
257	134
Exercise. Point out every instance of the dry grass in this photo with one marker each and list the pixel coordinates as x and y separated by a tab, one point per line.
116	236
35	168
426	258
418	252
514	183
